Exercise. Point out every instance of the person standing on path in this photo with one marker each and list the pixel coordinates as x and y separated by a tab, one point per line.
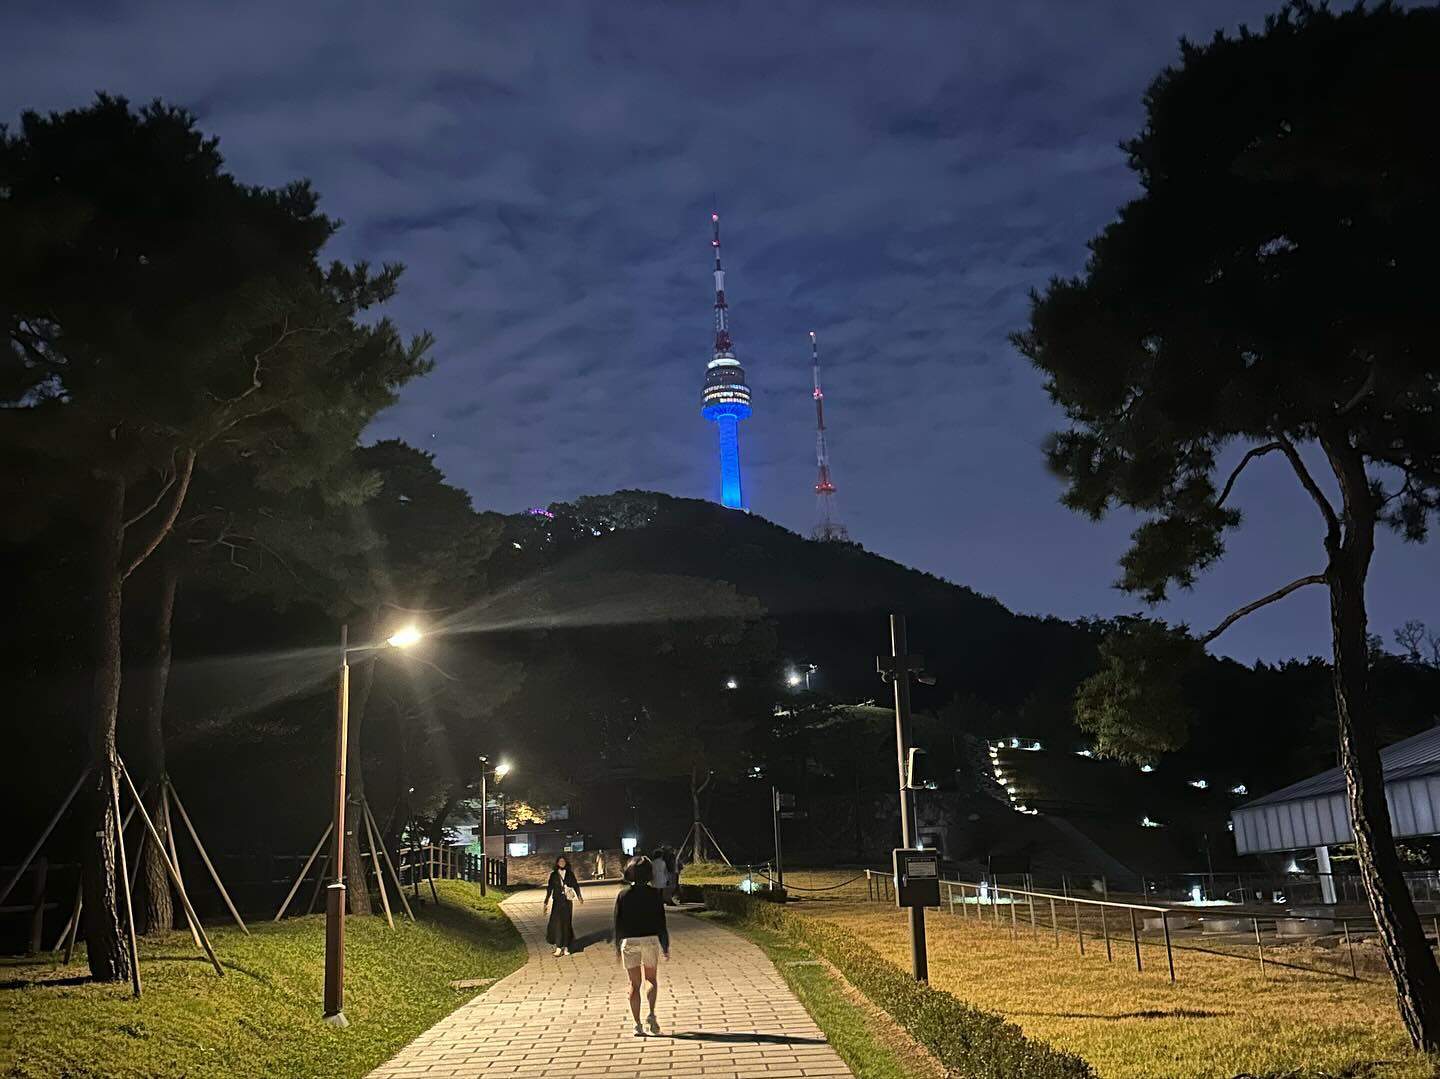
659	870
564	890
641	937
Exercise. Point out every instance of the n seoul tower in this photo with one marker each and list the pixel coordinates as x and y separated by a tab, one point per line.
726	397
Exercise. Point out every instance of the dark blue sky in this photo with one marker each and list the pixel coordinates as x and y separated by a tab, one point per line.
894	176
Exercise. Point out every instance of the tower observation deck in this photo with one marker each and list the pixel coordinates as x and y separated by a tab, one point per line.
725	398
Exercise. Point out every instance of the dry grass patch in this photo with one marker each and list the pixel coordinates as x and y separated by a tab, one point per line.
1218	1021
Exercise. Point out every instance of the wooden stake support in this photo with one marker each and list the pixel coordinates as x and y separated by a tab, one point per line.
400	888
304	869
204	857
375	858
192	922
72	927
124	873
174	872
44	835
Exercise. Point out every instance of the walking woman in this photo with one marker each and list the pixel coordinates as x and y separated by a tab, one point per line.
563	889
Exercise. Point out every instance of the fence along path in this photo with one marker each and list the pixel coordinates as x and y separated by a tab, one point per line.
1235	931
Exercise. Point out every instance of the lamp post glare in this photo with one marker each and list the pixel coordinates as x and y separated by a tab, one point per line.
404	638
794	678
502	770
730	683
335	892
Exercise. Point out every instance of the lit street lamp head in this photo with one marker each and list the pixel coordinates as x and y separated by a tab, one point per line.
794	678
405	637
502	770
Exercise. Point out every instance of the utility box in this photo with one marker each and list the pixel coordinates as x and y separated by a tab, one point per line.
917	877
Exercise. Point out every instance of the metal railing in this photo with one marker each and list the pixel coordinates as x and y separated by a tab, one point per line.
1106	920
1253	888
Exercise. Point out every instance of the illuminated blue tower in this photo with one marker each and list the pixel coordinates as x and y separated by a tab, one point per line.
726	397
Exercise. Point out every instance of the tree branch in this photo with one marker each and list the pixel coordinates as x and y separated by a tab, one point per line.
1257	451
1264	601
185	471
1327	511
159	497
1366	388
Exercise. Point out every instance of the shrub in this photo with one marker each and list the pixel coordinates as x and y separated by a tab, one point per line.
966	1040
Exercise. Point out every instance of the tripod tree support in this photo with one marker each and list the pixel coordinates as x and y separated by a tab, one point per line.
54	820
193	923
375	859
125	877
204	857
174	873
72	927
400	888
304	869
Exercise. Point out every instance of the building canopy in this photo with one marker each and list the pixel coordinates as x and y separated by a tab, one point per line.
1314	813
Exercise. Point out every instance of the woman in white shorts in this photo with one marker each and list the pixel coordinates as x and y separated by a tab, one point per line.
641	938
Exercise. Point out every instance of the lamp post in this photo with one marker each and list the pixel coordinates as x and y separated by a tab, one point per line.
499	772
898	668
796	677
335	893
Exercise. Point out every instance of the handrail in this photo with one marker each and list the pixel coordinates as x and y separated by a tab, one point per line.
996	888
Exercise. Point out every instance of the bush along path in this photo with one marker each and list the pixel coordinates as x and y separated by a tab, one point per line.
966	1040
263	1018
724	1011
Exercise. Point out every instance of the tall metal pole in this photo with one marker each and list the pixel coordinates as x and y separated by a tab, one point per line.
484	830
335	893
900	656
775	821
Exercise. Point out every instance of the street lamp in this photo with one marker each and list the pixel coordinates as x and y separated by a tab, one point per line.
335	893
795	677
500	771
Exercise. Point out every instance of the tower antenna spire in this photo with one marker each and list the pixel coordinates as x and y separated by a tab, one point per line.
725	397
827	527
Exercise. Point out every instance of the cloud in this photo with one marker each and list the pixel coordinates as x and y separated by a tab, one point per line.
895	176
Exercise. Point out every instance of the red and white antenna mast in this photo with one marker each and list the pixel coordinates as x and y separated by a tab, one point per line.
827	527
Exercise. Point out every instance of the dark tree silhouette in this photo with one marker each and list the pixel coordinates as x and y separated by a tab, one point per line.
1272	292
157	310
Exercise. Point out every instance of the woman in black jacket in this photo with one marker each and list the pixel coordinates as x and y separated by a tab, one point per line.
563	889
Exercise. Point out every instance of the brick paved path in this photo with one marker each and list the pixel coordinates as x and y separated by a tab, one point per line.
724	1011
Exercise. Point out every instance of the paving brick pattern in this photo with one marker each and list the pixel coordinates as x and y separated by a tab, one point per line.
724	1013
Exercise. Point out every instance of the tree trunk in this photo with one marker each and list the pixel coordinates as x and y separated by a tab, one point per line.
154	675
437	826
106	951
357	884
700	848
1402	940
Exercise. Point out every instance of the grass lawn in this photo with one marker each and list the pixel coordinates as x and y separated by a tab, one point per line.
1218	1021
873	1050
263	1017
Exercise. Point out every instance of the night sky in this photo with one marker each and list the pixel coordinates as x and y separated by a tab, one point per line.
893	176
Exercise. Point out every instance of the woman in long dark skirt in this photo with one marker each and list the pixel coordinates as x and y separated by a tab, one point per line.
563	890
